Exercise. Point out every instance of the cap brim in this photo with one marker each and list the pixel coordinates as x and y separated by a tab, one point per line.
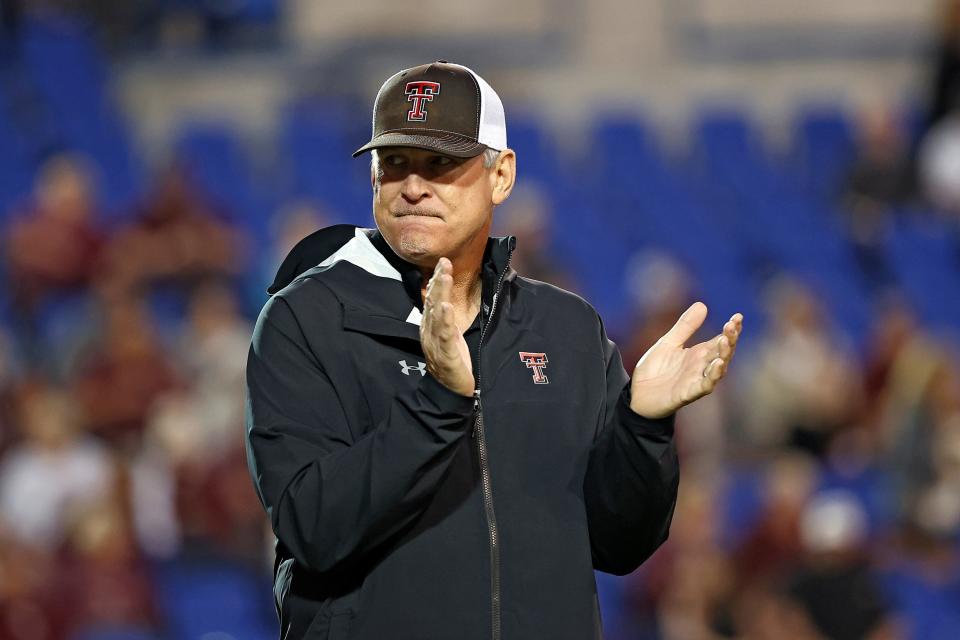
450	144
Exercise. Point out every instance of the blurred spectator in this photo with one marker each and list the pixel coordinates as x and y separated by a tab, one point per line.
878	182
177	239
939	152
836	585
921	424
802	385
103	583
10	375
172	447
880	175
898	355
227	508
26	572
202	497
697	576
122	374
768	614
527	216
771	547
945	96
291	224
52	471
660	290
53	246
923	569
939	165
153	493
213	349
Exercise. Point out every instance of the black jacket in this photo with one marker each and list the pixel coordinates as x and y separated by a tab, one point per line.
404	510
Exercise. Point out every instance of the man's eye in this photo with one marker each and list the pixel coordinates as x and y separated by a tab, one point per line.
442	161
393	160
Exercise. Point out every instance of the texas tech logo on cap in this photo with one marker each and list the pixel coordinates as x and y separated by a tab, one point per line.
419	92
537	362
409	112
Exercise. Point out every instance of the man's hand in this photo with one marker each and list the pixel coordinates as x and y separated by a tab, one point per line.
670	376
448	357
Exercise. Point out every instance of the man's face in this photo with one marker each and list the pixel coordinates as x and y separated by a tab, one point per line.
429	205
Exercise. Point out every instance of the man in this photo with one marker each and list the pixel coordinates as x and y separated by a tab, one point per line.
445	448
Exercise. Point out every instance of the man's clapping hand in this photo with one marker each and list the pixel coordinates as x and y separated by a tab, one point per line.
448	358
669	375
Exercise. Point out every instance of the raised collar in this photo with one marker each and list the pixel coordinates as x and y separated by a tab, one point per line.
368	249
496	261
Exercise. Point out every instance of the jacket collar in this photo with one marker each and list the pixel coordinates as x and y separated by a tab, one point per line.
367	249
496	261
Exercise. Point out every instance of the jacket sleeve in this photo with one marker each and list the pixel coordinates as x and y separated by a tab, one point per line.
332	497
630	488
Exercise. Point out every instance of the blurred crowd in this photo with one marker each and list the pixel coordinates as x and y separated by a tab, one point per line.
821	474
120	435
820	492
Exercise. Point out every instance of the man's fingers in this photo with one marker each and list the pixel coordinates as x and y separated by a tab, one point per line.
444	330
687	325
733	327
445	325
714	372
724	350
438	291
443	268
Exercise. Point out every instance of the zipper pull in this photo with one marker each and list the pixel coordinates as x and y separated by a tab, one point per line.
476	412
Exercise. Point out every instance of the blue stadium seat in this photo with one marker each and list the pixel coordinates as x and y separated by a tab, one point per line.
60	58
20	152
537	155
316	140
823	148
213	155
235	12
741	505
260	11
927	605
624	149
116	634
215	598
729	150
924	255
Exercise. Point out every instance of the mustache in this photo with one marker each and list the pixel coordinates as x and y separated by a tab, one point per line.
415	211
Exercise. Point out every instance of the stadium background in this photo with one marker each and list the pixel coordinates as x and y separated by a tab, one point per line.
794	161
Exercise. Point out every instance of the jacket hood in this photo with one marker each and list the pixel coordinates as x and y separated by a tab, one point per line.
368	249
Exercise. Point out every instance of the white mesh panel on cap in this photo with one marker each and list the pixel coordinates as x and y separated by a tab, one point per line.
493	124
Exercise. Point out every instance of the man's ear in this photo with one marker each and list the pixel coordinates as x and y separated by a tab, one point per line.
504	175
374	168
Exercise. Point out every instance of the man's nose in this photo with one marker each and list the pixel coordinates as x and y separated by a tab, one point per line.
414	188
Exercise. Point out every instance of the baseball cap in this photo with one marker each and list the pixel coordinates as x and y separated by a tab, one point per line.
439	106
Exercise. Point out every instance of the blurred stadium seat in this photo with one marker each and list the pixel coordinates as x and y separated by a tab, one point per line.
201	600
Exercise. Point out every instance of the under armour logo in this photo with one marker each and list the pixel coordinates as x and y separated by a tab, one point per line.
421	367
420	92
536	362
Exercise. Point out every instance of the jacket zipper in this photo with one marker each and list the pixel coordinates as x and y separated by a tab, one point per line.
478	435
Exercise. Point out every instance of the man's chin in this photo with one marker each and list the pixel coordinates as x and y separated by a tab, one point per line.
417	249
